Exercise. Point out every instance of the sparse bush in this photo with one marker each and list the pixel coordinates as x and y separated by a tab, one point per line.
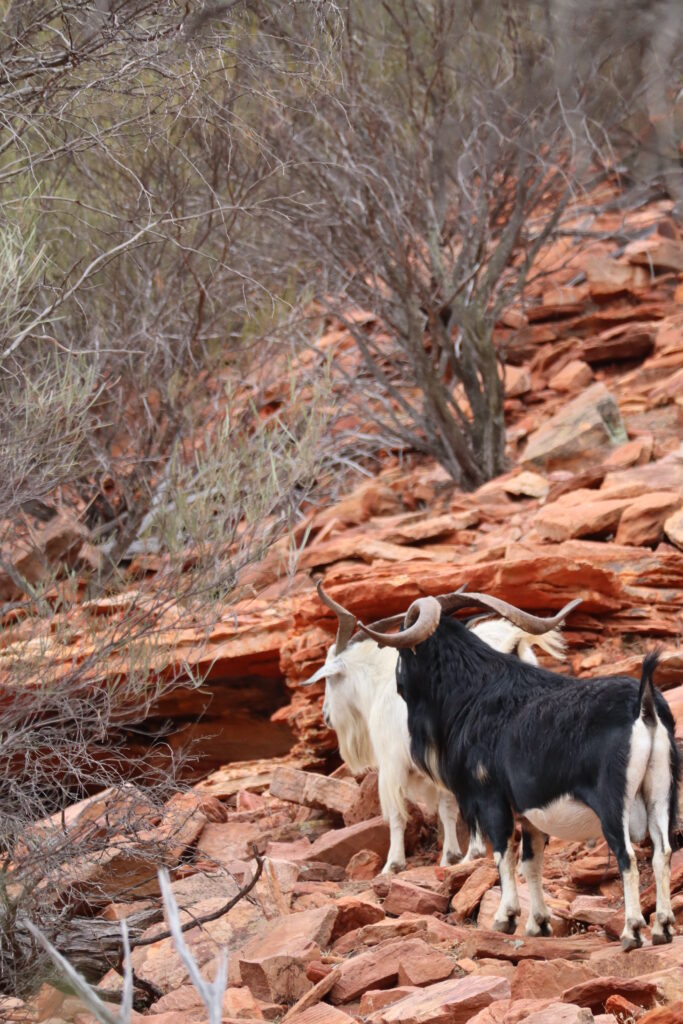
438	156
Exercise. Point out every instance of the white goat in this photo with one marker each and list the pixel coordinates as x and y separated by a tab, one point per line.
362	705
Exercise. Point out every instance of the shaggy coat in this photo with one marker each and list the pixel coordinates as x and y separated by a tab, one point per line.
573	757
371	721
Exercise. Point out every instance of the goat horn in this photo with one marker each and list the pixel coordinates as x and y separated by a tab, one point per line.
346	620
421	620
529	623
381	625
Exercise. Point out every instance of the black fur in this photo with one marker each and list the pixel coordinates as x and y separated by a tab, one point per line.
509	736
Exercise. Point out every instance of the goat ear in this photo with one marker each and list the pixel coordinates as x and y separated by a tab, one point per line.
322	673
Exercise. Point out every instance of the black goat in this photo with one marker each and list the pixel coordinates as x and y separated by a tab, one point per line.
571	757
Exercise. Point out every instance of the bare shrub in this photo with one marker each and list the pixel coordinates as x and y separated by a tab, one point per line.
438	156
210	992
133	336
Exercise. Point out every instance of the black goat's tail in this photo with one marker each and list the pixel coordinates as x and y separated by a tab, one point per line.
646	694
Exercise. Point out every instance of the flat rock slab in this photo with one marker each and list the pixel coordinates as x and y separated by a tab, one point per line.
543	979
355	912
643	521
561	1013
339	845
274	967
466	901
321	1013
580	434
596	991
591	909
405	897
224	842
379	998
400	961
523	947
313	790
453	878
449	1002
664	1015
383	931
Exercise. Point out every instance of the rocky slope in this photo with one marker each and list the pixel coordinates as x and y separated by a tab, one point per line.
593	507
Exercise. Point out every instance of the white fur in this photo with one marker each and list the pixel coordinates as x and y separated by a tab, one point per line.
362	705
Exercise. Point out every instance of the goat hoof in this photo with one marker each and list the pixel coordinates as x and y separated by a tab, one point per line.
393	868
451	857
541	927
506	925
661	938
629	942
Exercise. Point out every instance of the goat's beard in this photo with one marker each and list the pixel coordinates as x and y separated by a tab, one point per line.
355	745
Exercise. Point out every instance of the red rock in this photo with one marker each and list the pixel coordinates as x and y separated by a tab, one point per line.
663	253
580	513
634	453
314	790
594	992
509	1011
380	968
383	931
297	850
643	520
316	971
591	909
610	960
377	998
527	484
450	1002
669	983
673	528
247	801
560	1013
573	375
364	866
239	1002
318	871
404	896
339	845
321	1013
425	876
229	841
478	943
408	529
120	911
608	278
367	803
623	1009
633	342
454	877
321	987
592	869
517	380
665	474
554	311
274	967
466	901
541	979
664	1015
424	968
355	912
581	433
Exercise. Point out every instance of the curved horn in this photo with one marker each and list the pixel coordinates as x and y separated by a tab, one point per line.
346	620
422	619
529	623
381	625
